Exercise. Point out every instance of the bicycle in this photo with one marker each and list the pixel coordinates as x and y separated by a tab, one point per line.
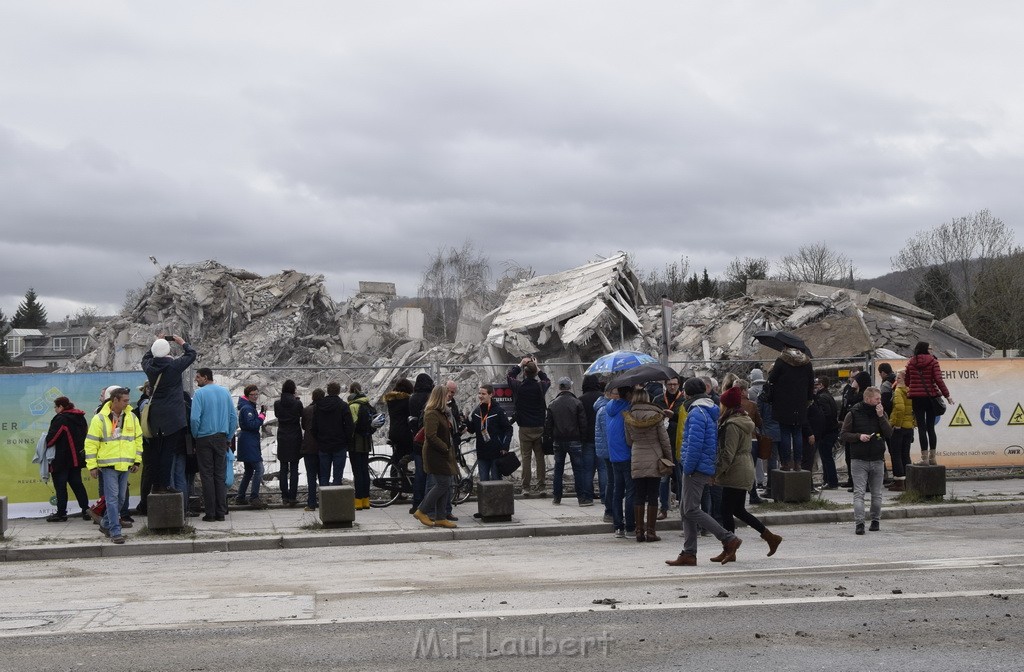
391	479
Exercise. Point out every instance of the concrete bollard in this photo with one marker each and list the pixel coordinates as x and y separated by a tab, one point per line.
495	501
926	480
3	515
791	486
165	512
337	505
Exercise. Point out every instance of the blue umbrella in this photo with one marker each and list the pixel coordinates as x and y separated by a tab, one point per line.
620	360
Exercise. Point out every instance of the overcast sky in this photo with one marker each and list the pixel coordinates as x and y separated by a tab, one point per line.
354	138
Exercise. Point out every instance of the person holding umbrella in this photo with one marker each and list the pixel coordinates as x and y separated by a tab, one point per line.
792	381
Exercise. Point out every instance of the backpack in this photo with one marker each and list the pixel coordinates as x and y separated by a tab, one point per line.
362	417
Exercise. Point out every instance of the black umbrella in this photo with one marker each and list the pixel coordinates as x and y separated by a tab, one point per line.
780	340
645	373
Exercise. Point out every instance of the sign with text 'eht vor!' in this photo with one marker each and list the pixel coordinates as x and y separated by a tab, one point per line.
977	430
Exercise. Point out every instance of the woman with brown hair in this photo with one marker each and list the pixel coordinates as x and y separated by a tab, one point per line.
735	470
648	438
924	380
438	460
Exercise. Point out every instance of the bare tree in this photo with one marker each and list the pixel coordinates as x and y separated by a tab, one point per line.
964	246
817	263
451	276
670	282
513	275
85	315
739	271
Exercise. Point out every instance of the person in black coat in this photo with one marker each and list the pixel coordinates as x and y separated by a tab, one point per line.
67	438
792	381
333	429
167	419
592	391
417	402
288	411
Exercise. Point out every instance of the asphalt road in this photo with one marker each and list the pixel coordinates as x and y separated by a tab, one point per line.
922	594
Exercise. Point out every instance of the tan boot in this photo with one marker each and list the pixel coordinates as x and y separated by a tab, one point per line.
773	541
931	458
730	547
423	518
638	513
652	515
924	459
684	560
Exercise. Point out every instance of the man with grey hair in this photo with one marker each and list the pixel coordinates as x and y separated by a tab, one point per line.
566	424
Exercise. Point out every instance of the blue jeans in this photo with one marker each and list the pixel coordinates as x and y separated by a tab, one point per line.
115	491
666	482
178	481
574	449
622	496
253	473
791	446
332	462
419	479
488	470
602	481
589	464
828	460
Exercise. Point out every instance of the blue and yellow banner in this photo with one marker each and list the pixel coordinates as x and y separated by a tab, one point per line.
26	408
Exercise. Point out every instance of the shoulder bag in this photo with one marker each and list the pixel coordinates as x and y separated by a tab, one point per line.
144	418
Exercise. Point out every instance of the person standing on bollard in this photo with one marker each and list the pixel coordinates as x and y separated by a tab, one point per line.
167	419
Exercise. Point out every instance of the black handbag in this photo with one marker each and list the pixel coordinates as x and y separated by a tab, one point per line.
508	463
938	406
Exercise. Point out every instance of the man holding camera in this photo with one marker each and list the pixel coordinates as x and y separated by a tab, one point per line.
530	410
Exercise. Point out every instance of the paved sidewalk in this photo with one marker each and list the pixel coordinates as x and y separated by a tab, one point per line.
279	527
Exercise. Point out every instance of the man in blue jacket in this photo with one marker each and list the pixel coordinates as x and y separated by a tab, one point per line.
698	459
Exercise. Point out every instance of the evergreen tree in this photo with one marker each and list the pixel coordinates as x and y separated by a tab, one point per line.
691	290
936	293
5	358
708	287
31	314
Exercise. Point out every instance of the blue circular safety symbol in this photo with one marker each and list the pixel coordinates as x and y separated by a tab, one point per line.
990	414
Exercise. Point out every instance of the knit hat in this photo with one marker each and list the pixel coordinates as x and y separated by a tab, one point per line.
756	375
732	398
161	348
863	381
565	383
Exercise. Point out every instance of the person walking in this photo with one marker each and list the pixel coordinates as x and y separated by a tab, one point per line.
288	411
438	460
735	470
213	422
699	457
865	429
66	436
926	386
649	444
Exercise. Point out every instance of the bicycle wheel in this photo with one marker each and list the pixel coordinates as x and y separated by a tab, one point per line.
463	489
385	481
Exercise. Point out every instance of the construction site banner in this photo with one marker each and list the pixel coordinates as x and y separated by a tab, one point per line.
984	427
26	408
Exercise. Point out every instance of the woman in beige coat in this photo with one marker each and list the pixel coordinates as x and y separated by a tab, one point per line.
735	470
646	433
